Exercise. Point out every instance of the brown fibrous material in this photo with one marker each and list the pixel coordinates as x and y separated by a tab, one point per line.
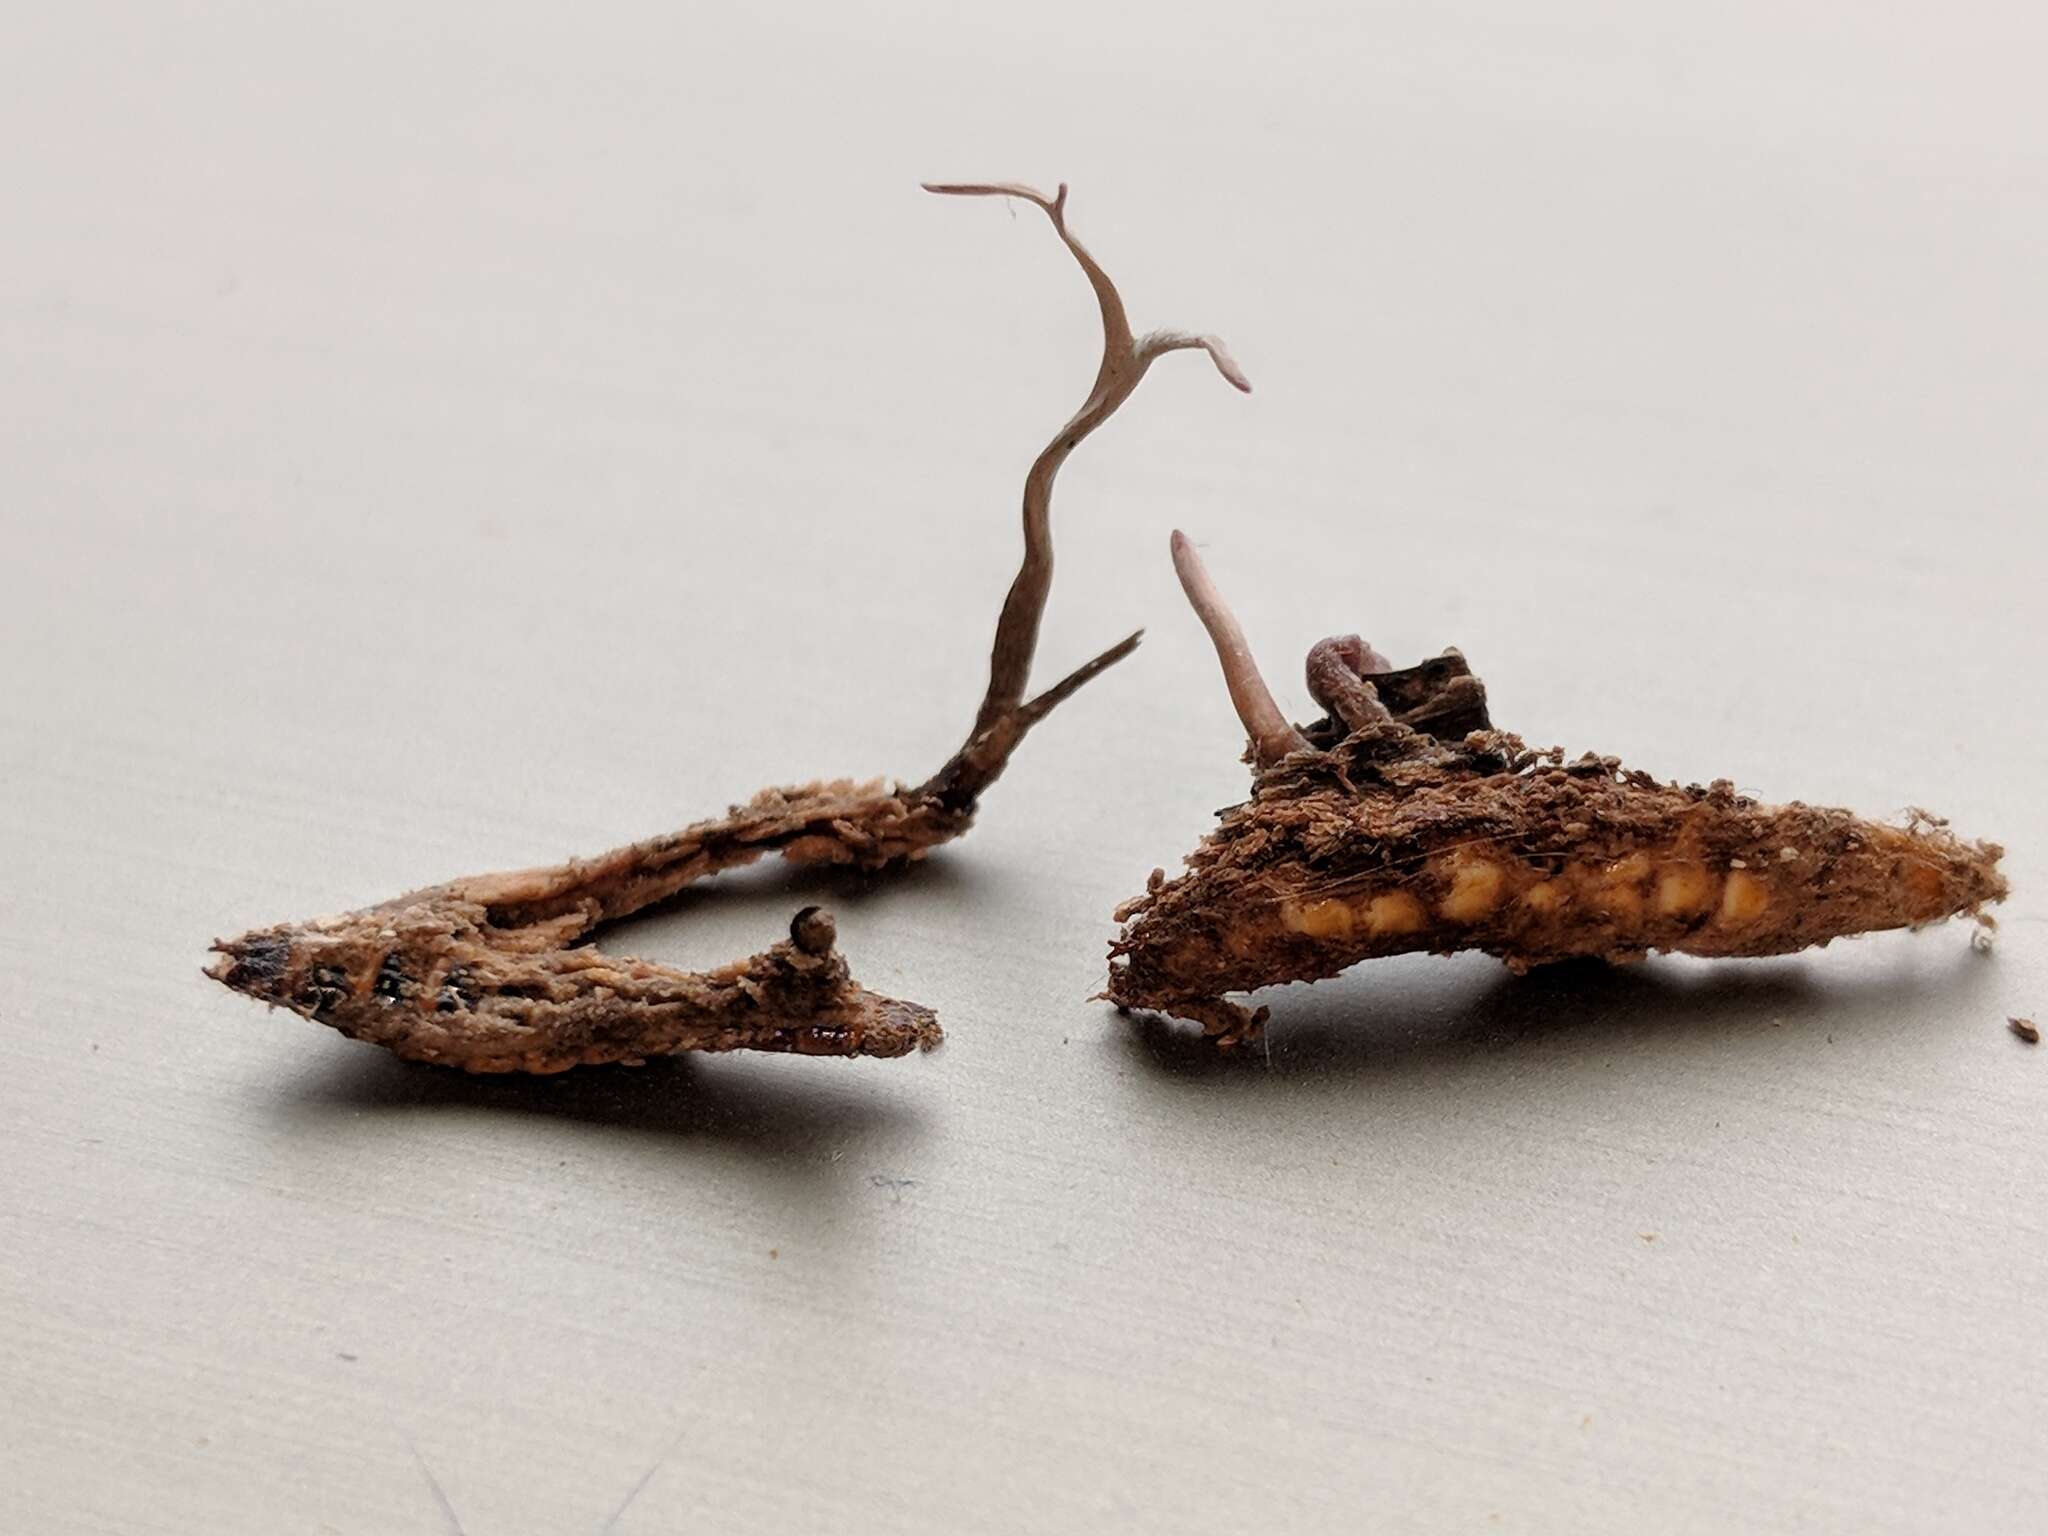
1403	821
494	973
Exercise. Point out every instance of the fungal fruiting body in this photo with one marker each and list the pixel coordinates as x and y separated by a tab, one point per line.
494	973
1403	821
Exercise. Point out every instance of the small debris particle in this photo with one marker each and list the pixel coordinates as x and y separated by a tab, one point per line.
2026	1029
342	1354
1983	940
1648	1237
774	1253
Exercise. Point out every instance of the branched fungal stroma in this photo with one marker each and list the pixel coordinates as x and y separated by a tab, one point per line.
492	973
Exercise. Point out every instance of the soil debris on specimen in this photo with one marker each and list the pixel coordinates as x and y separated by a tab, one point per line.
1402	820
493	973
2026	1029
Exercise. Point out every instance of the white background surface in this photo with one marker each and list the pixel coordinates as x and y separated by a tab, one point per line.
441	439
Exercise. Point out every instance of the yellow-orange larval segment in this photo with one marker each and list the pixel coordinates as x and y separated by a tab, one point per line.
1326	919
1685	889
1394	912
1475	886
1744	898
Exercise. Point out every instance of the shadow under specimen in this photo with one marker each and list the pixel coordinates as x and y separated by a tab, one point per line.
1414	1019
772	1115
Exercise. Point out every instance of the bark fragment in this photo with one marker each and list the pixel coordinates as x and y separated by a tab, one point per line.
1404	821
494	973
